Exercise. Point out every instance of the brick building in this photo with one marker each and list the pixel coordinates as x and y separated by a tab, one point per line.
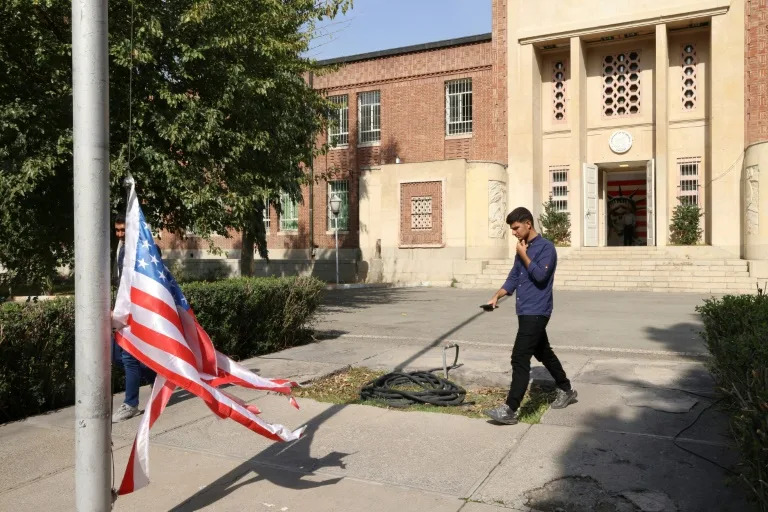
424	103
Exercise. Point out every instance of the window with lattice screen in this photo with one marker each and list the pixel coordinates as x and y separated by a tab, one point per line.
621	84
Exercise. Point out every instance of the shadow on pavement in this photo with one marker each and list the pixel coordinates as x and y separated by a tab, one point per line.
299	451
616	449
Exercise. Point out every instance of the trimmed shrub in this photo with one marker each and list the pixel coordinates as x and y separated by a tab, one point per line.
244	317
37	357
555	224
685	228
736	333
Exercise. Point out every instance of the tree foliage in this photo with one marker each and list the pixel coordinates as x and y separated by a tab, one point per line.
213	92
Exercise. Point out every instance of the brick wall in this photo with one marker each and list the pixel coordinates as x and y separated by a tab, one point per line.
412	95
417	226
756	69
499	46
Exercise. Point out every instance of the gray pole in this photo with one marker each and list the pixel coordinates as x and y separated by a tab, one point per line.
90	82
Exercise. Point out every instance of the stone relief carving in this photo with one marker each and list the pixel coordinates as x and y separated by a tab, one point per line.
497	209
752	196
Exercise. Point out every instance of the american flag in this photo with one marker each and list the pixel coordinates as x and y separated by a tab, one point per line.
156	325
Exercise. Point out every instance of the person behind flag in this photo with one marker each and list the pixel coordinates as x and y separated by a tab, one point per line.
532	277
134	370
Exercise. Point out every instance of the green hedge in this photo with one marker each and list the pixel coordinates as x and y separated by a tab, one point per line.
244	317
736	332
37	357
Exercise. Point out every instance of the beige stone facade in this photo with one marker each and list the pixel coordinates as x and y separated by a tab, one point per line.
642	74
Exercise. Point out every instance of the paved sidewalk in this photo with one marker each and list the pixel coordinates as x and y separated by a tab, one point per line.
611	451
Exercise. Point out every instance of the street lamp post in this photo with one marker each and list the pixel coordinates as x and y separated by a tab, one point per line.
335	203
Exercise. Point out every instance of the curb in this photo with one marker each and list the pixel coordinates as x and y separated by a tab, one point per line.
356	286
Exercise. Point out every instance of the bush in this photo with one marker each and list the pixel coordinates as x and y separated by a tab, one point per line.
244	317
556	224
736	333
37	357
685	228
250	316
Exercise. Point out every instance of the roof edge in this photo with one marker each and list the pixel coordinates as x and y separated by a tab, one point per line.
446	43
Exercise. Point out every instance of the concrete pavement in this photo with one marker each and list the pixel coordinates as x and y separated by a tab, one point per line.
611	321
611	451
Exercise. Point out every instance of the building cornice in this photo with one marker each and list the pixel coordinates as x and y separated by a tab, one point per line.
630	26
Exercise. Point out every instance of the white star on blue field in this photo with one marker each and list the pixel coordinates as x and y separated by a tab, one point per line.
150	264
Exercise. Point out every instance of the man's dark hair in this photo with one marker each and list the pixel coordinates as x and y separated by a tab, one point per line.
519	215
120	219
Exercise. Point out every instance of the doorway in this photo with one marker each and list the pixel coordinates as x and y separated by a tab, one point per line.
615	195
625	199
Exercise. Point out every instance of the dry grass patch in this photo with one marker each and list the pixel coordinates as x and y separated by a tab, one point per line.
344	388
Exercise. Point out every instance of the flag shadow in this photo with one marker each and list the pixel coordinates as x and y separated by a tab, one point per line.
266	466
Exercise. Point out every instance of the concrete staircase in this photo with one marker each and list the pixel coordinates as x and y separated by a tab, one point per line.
653	269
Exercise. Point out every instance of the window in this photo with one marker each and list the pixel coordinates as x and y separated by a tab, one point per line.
421	213
558	90
338	131
458	106
558	178
689	62
289	213
369	116
265	215
621	84
689	180
341	188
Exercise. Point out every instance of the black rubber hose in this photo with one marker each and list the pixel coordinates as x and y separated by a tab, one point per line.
434	390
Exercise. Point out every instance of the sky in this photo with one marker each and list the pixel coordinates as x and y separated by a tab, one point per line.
374	25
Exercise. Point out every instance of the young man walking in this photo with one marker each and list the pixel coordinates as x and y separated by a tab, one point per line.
531	277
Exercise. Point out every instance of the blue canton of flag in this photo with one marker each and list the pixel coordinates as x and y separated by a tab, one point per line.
149	263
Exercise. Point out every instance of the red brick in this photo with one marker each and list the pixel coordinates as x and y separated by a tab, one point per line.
756	79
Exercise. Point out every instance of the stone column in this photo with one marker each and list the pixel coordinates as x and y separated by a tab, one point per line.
577	112
524	171
661	118
727	114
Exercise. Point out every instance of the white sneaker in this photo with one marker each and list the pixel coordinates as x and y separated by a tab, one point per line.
125	412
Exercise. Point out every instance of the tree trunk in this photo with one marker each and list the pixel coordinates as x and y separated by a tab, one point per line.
246	253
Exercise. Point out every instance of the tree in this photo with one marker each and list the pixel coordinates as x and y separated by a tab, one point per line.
556	224
685	228
211	93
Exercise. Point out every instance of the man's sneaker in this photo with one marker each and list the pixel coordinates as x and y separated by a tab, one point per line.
564	398
502	414
125	412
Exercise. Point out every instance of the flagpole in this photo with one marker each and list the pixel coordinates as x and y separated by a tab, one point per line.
90	82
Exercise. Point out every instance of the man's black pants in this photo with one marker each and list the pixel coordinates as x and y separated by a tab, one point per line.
532	340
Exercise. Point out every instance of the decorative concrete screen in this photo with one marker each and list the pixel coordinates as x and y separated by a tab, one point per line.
621	84
421	214
689	78
558	90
